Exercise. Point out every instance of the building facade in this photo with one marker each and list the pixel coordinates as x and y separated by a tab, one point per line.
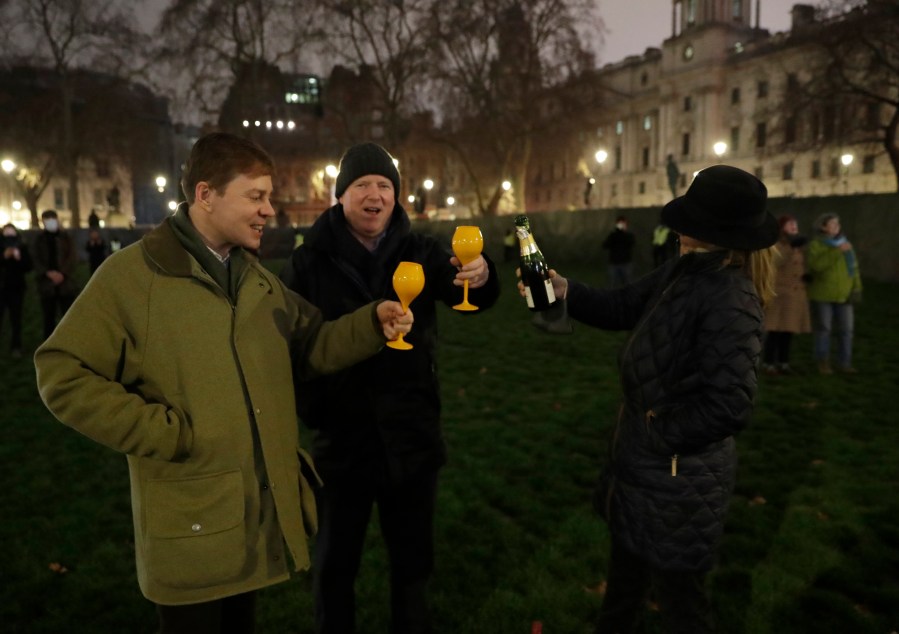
718	90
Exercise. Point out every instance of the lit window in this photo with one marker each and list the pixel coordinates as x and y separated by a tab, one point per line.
619	127
647	122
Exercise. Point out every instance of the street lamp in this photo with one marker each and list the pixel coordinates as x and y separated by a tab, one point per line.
429	184
846	159
507	186
332	171
450	201
160	183
601	156
7	165
719	148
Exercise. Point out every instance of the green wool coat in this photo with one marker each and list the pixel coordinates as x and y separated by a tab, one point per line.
154	361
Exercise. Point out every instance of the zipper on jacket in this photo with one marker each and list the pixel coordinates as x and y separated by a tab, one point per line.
674	466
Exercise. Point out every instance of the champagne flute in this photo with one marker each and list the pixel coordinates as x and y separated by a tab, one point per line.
408	280
467	245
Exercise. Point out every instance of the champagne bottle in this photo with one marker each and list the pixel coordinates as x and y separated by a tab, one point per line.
534	270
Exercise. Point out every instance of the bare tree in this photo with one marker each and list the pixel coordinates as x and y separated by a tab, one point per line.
66	34
387	38
205	44
855	89
493	61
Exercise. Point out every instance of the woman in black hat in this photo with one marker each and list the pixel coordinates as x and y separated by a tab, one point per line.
689	377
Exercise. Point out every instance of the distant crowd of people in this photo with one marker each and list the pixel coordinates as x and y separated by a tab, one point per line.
817	284
51	258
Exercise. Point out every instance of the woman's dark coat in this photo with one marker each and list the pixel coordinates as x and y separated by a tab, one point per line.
688	372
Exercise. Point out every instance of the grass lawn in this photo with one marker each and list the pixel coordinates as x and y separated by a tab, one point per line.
812	543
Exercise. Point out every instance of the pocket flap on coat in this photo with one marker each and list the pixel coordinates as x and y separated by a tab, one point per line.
196	506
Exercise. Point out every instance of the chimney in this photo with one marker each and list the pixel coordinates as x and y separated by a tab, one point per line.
803	15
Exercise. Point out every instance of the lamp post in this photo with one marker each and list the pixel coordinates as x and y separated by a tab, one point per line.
600	156
332	171
720	148
428	185
8	165
846	159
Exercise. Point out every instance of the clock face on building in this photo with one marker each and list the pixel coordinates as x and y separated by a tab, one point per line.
688	52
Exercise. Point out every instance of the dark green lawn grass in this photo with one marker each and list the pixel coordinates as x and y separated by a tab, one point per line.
812	543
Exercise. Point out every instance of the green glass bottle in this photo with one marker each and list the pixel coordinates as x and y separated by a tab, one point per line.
534	270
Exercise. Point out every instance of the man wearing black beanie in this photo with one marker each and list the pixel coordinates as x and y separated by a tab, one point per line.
377	425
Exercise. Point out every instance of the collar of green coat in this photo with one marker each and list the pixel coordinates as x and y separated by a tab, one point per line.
162	246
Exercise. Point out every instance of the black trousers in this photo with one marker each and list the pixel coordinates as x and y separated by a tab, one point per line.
13	301
406	516
53	306
777	348
231	615
681	597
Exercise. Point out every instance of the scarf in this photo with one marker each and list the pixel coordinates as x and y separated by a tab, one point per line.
848	254
226	274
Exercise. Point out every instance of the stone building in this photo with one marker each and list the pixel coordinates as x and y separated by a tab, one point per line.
719	89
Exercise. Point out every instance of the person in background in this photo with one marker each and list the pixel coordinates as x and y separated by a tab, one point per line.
664	244
688	372
835	285
787	313
96	249
620	245
510	246
181	353
672	172
377	425
15	263
55	258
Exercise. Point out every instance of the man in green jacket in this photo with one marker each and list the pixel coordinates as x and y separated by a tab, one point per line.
181	353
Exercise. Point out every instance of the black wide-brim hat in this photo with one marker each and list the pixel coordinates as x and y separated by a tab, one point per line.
724	206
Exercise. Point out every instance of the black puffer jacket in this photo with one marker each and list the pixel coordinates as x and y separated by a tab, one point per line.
384	413
688	372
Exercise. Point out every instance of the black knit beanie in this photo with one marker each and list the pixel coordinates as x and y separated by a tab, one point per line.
362	159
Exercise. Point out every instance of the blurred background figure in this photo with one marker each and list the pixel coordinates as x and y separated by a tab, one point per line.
620	244
14	264
510	246
787	313
673	173
55	259
96	248
835	286
664	244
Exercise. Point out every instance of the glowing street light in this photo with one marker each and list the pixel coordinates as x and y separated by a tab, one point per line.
160	183
719	148
507	186
332	172
450	201
429	184
7	165
173	205
847	159
601	156
410	198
